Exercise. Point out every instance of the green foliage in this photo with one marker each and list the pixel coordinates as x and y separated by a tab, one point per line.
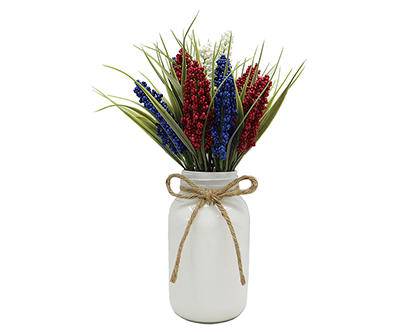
161	63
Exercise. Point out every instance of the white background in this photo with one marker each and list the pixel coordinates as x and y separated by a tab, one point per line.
83	206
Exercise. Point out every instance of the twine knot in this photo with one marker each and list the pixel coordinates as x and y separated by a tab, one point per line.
210	197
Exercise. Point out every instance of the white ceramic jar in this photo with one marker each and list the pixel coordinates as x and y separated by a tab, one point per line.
208	287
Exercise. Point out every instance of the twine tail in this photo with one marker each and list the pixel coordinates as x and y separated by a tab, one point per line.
235	241
174	274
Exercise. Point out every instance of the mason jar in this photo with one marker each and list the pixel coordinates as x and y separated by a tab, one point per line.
208	287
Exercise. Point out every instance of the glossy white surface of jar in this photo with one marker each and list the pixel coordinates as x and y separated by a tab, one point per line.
208	287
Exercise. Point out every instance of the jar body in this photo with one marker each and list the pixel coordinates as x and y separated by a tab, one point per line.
208	287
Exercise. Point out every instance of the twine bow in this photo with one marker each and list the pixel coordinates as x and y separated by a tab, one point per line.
210	197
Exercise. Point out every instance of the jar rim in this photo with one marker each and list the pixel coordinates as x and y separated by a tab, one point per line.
204	176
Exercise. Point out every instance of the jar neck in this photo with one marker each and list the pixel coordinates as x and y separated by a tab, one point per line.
212	180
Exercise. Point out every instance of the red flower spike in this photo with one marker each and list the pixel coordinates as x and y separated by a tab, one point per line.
252	123
242	79
178	63
196	101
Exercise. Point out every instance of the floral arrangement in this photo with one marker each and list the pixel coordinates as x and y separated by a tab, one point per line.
211	113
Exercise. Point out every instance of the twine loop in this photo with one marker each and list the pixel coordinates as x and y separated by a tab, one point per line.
211	197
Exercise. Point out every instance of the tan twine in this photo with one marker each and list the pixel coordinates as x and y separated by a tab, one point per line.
210	197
